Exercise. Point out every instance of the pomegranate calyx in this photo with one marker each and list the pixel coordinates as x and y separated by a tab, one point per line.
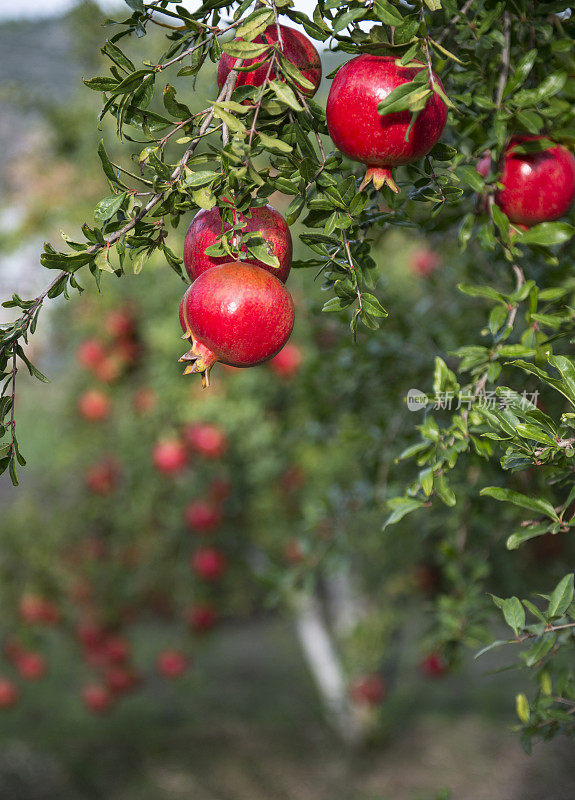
201	360
380	177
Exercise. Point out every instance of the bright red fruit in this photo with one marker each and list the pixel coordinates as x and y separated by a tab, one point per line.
368	690
287	362
424	261
206	440
96	698
433	666
538	187
201	618
169	456
172	664
94	405
31	666
208	564
237	314
202	516
207	227
9	693
91	353
359	131
296	47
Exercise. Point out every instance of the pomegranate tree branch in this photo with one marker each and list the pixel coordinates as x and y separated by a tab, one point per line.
505	56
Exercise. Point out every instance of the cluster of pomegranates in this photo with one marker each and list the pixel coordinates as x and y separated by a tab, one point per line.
236	312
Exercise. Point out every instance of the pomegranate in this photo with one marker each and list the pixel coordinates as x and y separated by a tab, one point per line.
537	187
424	261
201	618
96	698
94	405
36	610
103	478
208	564
362	134
206	440
433	666
169	456
207	227
9	693
116	649
31	666
368	690
237	314
91	353
120	324
287	362
109	370
121	679
172	664
202	516
296	47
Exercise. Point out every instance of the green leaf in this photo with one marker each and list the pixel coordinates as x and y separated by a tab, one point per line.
522	708
172	106
403	506
548	234
107	207
336	304
255	24
102	84
514	614
562	597
471	177
135	5
387	13
347	18
262	253
193	180
536	504
540	649
286	94
204	198
233	123
245	50
372	305
403	98
522	70
273	144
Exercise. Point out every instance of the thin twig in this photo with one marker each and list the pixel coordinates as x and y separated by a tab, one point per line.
465	8
505	55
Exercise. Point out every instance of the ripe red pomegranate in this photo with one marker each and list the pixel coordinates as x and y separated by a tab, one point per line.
202	516
97	698
368	690
37	610
538	187
103	478
94	405
359	131
207	227
172	664
116	649
424	261
208	564
296	47
237	314
120	324
121	679
110	369
287	362
9	693
433	666
201	618
206	440
91	353
31	666
169	456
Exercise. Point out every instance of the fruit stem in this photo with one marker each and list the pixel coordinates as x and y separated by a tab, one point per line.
380	177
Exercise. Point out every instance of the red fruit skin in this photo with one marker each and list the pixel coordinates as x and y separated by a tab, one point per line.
433	666
94	405
208	564
122	680
201	618
207	227
116	649
296	47
120	324
287	362
206	440
9	693
169	456
202	517
361	133
36	610
172	664
103	478
31	666
368	690
424	262
109	370
538	187
97	698
237	314
90	353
